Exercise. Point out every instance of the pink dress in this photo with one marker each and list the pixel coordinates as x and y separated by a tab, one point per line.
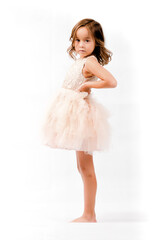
75	120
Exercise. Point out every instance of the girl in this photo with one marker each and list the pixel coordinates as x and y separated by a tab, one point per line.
75	120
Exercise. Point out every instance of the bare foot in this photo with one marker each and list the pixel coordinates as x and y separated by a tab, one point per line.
85	219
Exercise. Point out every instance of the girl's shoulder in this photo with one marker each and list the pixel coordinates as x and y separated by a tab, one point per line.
91	57
85	58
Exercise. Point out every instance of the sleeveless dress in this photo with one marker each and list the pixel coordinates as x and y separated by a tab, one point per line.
75	120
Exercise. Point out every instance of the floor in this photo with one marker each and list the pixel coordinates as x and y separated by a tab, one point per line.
41	222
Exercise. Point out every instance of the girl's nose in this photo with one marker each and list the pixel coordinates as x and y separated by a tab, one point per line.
81	43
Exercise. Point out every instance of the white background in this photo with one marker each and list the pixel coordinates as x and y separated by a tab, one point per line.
41	189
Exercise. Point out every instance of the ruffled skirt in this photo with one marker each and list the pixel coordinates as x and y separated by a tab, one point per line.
76	121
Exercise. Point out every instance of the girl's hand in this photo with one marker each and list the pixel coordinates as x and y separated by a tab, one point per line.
84	88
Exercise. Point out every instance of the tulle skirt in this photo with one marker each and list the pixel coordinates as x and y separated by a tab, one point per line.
76	121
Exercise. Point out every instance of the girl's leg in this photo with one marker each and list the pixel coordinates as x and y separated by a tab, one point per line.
86	168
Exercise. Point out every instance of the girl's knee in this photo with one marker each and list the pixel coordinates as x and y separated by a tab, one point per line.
85	164
86	172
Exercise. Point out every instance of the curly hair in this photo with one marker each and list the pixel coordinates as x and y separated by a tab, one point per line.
103	55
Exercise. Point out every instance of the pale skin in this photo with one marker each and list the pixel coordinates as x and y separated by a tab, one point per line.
84	46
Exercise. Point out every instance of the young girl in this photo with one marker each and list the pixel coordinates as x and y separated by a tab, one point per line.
75	120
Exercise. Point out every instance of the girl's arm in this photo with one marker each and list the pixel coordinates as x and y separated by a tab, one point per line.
106	78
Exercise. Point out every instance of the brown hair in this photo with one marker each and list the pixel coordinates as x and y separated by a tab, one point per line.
102	54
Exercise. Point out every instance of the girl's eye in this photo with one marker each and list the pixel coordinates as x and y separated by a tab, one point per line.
77	40
87	40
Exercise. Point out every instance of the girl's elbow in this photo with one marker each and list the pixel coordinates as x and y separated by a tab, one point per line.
113	84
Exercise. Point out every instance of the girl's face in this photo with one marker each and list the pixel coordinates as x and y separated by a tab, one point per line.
84	43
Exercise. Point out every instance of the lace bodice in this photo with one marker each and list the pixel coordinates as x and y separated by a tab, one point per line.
74	77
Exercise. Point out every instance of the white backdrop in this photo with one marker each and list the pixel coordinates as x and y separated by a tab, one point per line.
40	186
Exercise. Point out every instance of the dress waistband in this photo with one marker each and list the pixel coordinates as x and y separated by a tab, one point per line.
83	94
